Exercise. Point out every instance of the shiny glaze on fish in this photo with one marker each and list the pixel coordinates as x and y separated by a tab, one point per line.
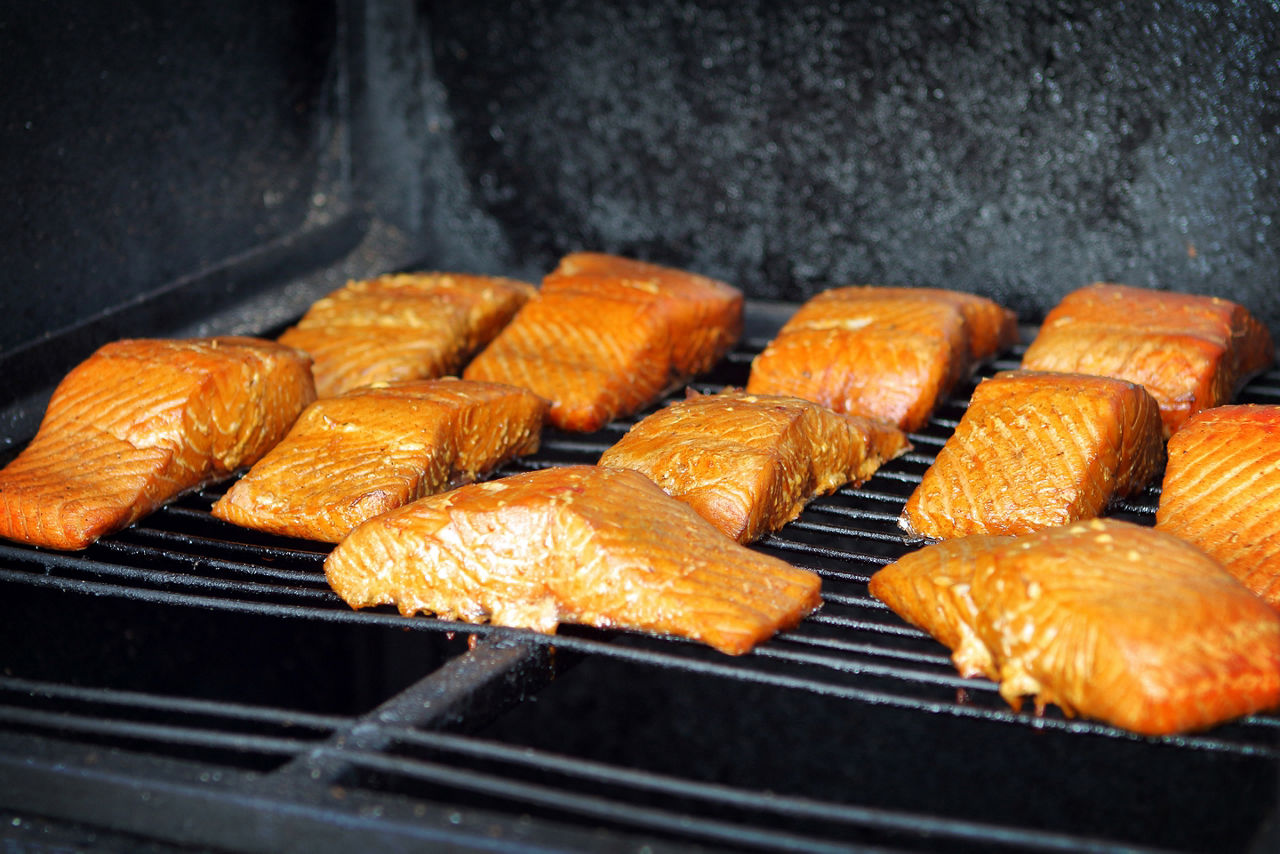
1221	492
606	336
749	463
1037	449
1106	619
1190	352
580	544
404	326
882	352
351	457
141	421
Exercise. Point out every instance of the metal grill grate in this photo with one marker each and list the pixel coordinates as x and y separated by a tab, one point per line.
400	747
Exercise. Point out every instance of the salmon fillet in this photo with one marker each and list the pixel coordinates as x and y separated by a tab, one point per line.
140	422
1106	619
749	463
351	457
402	327
1191	352
606	336
705	314
1221	492
882	352
579	544
1037	449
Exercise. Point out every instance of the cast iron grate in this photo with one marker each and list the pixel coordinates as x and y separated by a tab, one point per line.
853	650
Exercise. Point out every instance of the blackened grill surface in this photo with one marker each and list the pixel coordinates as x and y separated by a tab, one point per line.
188	663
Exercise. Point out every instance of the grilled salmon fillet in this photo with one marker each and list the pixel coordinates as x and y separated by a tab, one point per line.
141	421
705	314
1107	619
882	352
605	336
1191	352
1036	449
1221	492
581	544
404	326
351	457
749	463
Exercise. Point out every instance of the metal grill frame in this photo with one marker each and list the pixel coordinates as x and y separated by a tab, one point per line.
412	770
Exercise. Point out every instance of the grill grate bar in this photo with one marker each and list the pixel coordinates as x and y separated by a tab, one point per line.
579	782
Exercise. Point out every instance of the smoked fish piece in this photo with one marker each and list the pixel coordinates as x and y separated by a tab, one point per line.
1109	620
580	544
1221	492
403	326
375	448
930	589
883	352
749	463
1036	449
606	336
140	422
705	314
1191	352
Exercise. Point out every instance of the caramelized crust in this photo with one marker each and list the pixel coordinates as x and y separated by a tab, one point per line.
887	353
351	457
607	335
1035	450
1106	619
402	327
582	544
749	463
1190	352
141	421
1222	492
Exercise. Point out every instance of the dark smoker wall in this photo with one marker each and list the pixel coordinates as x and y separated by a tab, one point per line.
1017	149
147	140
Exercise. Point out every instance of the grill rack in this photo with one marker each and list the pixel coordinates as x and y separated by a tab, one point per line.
422	762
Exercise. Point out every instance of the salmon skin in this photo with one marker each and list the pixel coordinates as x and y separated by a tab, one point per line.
883	352
749	463
607	335
1191	352
140	422
351	457
402	327
580	544
1221	492
1037	449
1107	619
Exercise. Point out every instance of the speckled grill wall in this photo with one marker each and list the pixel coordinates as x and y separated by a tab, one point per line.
1015	149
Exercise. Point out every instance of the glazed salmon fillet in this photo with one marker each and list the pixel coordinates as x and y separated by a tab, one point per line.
140	422
882	352
749	463
1190	352
1107	619
606	336
1221	492
403	326
705	314
1036	449
351	457
579	544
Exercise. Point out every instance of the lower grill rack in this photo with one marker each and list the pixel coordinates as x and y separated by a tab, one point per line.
197	684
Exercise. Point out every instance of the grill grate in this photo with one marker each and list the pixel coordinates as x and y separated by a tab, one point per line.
383	750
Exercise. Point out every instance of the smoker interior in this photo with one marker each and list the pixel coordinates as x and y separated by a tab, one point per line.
184	170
